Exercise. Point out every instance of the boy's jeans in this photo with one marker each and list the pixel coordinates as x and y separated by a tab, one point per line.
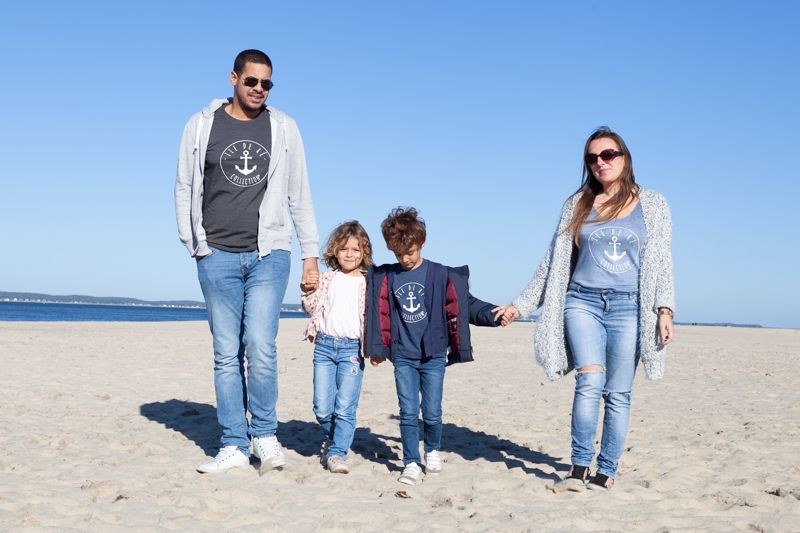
601	329
415	377
338	371
243	296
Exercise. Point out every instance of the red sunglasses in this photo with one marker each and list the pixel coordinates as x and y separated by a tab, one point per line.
605	155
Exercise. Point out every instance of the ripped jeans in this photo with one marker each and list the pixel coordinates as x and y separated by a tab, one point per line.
601	327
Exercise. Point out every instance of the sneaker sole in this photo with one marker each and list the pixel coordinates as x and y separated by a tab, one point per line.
219	470
274	463
407	481
569	484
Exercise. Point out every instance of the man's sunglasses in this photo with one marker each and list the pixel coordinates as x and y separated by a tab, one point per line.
251	81
605	155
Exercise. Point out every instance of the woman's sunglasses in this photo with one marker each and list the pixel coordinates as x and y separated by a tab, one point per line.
251	81
605	155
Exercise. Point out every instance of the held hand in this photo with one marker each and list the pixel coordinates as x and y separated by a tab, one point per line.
666	330
310	279
510	314
375	361
498	312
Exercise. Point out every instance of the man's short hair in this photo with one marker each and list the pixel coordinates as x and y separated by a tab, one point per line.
250	56
403	229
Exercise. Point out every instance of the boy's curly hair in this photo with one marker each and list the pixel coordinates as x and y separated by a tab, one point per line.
339	237
403	229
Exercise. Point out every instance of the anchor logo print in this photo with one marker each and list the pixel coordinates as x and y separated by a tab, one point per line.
613	248
244	163
614	243
410	296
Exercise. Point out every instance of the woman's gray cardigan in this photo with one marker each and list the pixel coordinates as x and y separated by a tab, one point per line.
548	288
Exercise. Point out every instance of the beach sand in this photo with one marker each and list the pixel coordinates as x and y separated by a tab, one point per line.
103	424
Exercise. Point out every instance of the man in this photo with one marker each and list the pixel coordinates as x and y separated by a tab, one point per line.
241	172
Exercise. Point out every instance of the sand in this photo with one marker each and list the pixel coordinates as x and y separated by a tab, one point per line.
103	424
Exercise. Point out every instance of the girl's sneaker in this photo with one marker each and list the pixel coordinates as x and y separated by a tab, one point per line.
575	480
337	465
600	482
433	463
410	474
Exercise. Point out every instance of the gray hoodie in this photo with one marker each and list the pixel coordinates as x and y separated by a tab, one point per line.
288	191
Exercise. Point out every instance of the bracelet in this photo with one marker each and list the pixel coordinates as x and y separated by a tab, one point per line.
665	311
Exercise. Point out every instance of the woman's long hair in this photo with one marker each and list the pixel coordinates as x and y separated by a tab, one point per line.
590	187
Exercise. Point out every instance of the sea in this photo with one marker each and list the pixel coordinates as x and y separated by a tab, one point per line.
53	312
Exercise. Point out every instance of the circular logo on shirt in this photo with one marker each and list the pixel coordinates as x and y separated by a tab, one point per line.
613	248
410	296
244	163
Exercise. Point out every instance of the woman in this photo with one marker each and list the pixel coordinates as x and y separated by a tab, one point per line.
606	291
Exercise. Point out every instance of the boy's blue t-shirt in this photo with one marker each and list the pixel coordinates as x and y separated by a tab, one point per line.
408	288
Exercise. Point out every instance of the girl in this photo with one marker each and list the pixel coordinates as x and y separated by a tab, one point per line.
336	327
607	295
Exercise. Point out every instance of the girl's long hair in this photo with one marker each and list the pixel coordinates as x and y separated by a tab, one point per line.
339	237
590	187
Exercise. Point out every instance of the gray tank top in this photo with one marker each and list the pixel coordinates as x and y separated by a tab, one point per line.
610	252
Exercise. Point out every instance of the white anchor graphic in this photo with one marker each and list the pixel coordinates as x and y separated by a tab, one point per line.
411	308
615	257
246	171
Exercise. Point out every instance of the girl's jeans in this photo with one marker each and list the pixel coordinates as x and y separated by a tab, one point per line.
338	370
601	329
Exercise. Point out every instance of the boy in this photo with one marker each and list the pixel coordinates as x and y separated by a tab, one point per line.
418	315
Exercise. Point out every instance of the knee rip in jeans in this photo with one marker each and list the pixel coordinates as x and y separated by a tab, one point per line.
591	368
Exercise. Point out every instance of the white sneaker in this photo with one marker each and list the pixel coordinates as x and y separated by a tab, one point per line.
227	458
433	463
410	474
268	450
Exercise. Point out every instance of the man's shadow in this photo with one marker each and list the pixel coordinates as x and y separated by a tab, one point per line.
198	423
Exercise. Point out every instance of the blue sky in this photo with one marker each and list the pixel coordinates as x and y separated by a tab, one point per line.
473	112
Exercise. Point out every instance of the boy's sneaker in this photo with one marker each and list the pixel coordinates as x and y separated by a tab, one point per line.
337	465
433	463
575	480
268	450
410	474
227	458
600	482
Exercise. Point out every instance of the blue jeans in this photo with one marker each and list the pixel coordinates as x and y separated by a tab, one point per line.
415	377
601	329
338	370
243	296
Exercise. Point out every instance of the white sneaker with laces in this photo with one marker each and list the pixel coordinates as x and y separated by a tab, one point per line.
433	463
227	458
268	450
410	474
